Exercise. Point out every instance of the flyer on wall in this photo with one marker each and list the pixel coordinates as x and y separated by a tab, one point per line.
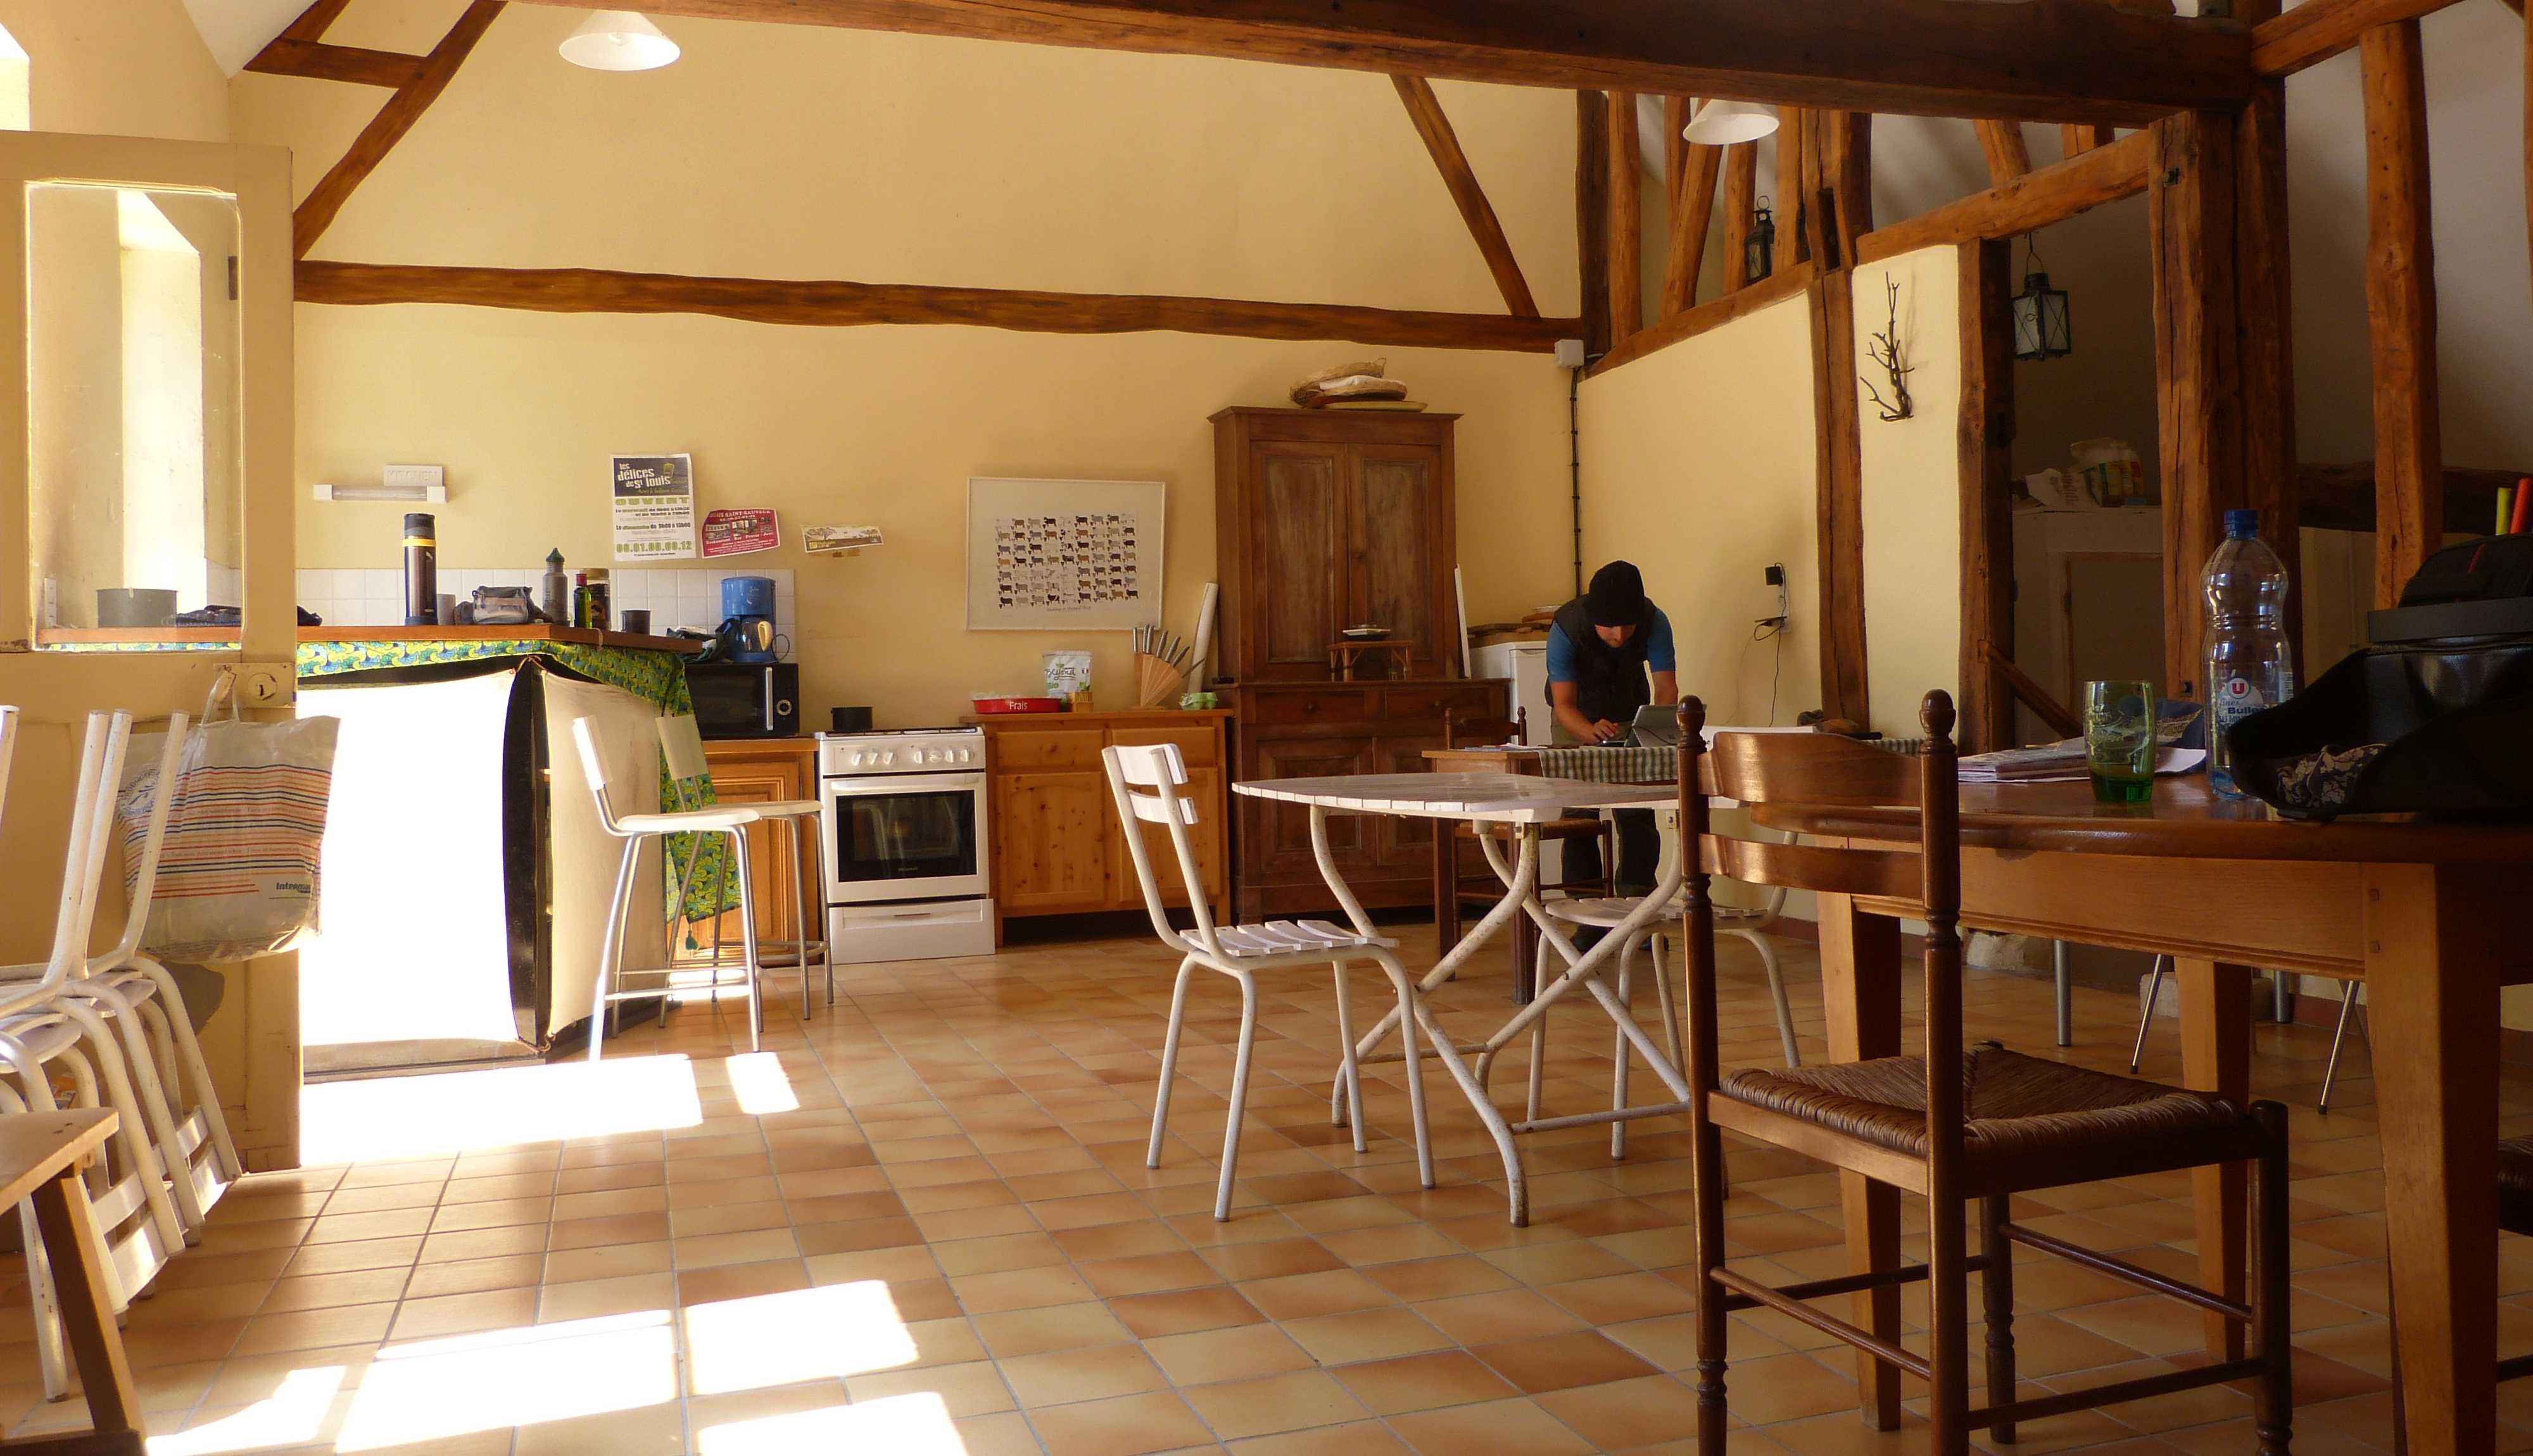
739	531
654	499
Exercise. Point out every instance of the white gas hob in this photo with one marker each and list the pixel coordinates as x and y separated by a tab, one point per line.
906	874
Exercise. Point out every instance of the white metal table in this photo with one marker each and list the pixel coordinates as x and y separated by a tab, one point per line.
1524	802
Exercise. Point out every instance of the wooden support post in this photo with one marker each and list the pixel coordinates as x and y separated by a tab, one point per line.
2053	194
402	109
2401	309
1677	111
1844	141
1792	145
2262	326
1988	493
1692	218
2009	155
1425	110
2198	402
1592	215
1741	195
2075	138
1626	220
1838	470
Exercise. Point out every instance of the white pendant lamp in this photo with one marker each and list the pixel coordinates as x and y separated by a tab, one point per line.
1722	123
618	40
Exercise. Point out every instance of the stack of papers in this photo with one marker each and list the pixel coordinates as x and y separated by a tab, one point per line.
2061	763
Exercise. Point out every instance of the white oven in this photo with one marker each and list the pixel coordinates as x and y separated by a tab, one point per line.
906	861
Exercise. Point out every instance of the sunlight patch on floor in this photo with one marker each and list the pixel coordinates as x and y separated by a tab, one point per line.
917	1424
761	1085
783	1339
412	1117
293	1415
433	1389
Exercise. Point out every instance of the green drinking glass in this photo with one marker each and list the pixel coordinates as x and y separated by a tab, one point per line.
2119	740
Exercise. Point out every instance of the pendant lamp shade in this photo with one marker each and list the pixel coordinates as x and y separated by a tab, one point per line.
1722	122
618	40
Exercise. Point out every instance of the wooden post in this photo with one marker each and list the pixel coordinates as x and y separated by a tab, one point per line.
1845	143
1425	111
1741	195
1677	111
2008	155
1839	472
2263	304
1592	215
1987	498
2198	402
1692	219
2074	139
1626	220
2401	309
1792	143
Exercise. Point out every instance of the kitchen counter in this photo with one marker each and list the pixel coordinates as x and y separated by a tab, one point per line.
203	637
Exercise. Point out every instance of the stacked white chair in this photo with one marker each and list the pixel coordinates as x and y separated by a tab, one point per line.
732	820
44	1025
682	744
1148	783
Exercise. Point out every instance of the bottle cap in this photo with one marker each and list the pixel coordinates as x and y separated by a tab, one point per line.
553	559
420	524
2242	525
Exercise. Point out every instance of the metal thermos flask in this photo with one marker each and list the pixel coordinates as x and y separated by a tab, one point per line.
421	571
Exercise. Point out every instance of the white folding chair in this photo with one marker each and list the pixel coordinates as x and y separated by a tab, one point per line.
682	745
732	820
43	1024
1147	783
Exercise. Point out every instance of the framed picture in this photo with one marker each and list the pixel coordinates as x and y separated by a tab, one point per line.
1064	556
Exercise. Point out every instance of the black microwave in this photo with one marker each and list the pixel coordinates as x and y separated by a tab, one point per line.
745	700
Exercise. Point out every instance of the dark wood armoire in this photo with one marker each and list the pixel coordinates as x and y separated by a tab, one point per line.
1322	520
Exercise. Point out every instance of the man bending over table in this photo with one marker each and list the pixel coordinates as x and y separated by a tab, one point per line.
1603	647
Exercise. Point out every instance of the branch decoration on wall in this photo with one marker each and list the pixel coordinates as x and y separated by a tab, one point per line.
1890	354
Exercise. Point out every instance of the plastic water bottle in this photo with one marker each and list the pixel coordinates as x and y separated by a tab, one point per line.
2250	664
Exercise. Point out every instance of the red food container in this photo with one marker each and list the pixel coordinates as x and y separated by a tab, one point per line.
991	706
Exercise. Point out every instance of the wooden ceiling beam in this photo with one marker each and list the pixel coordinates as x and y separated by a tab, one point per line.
2051	194
2076	139
317	210
2045	59
1425	110
318	60
312	24
2401	310
836	304
1715	312
1692	217
1740	197
1626	220
2318	29
2009	155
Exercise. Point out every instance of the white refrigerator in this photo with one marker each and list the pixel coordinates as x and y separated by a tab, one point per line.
1525	664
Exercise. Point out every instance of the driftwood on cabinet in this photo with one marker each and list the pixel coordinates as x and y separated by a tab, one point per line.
2043	60
1425	110
837	303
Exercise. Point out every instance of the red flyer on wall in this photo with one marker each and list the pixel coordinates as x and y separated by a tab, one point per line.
736	533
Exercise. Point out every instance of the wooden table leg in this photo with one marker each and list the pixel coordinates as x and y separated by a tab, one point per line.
88	1317
2217	1057
2433	953
1860	984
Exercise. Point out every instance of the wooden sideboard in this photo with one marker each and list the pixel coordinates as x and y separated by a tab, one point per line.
1300	729
1056	846
763	771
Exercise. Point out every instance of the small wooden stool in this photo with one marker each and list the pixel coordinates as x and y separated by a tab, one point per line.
40	1158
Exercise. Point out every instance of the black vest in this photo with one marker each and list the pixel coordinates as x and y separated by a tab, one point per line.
1609	681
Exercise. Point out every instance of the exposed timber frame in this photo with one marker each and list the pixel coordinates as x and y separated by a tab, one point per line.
2401	309
1425	110
317	212
2045	60
2047	194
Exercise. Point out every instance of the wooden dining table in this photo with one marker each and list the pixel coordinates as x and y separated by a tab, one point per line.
2435	918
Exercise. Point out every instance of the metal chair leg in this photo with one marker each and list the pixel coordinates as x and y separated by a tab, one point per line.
1239	1100
1620	1053
1777	993
2145	1017
2339	1038
611	954
1169	1063
1349	1068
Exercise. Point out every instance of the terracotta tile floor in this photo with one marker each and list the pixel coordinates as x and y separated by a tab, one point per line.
922	1225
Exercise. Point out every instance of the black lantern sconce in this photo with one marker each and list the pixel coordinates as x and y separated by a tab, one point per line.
2041	326
1759	248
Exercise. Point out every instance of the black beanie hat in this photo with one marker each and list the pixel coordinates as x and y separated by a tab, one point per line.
1617	596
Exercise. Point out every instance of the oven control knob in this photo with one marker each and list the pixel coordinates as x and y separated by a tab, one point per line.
886	759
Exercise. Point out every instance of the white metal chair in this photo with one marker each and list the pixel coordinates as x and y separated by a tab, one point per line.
44	1021
682	745
732	820
1148	783
2348	993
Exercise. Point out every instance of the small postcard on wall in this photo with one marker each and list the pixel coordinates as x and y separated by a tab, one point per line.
736	533
1064	554
654	500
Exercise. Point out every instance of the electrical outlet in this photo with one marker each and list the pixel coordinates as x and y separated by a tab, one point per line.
264	685
1776	577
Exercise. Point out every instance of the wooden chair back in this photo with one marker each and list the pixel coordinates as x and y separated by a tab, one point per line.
1483	732
1148	782
1823	769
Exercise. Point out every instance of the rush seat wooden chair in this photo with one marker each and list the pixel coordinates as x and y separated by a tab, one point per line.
1966	1130
1148	783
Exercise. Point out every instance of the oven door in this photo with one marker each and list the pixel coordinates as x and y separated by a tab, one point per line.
904	837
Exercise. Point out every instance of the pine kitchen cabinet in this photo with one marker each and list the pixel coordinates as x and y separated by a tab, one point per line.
764	770
1056	846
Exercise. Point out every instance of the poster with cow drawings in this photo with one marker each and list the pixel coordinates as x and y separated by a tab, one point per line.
1064	556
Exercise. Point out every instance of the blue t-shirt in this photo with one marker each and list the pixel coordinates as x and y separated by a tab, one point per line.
1659	656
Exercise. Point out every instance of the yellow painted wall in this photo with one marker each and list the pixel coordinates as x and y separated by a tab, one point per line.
809	152
1698	466
1911	489
129	68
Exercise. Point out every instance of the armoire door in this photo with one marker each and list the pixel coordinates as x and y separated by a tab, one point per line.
1391	510
1298	519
